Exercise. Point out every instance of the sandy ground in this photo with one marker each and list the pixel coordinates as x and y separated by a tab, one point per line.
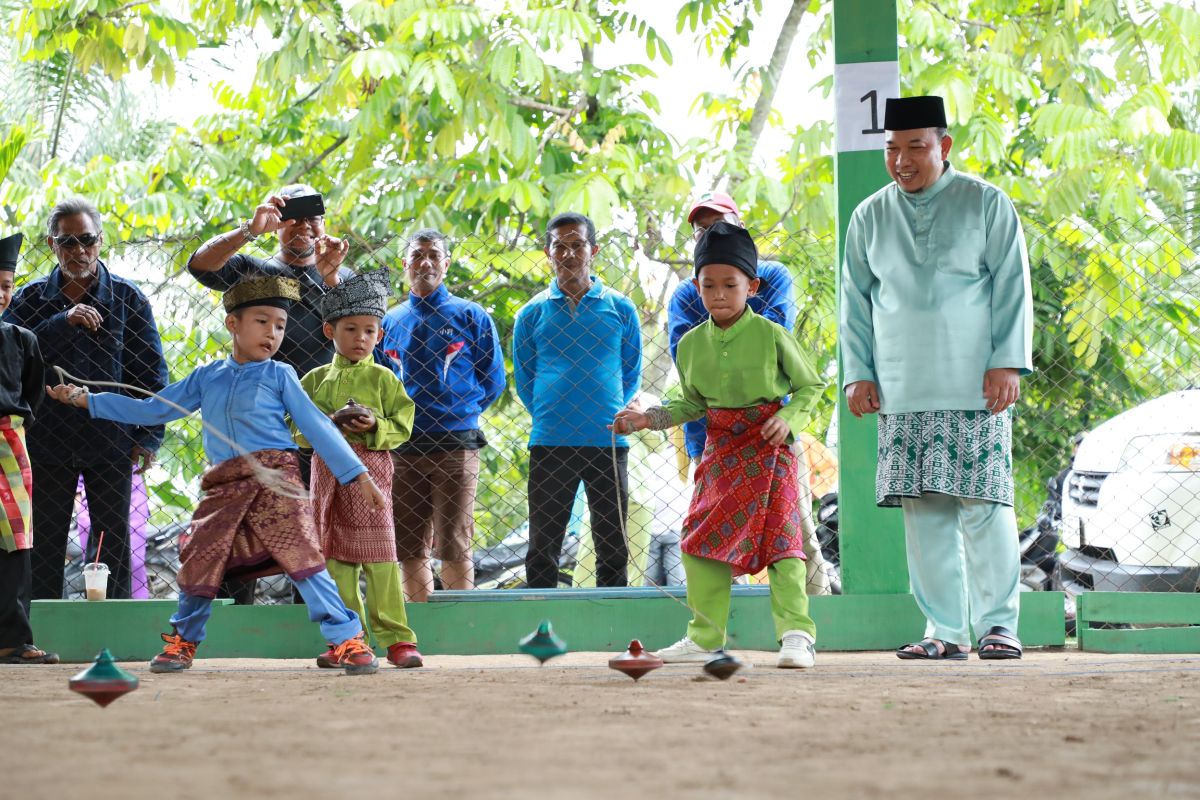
1058	724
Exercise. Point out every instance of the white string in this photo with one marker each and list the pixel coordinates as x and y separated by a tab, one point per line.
625	534
273	479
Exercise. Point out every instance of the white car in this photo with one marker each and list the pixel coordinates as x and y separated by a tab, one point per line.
1131	503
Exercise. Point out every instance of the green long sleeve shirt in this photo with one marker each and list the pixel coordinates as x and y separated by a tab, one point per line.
753	361
371	385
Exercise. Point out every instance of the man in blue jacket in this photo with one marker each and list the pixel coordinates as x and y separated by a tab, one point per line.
97	326
447	352
577	361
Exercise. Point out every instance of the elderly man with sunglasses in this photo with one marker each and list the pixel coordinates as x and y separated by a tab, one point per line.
96	326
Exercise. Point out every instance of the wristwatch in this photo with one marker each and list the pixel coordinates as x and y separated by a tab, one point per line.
245	229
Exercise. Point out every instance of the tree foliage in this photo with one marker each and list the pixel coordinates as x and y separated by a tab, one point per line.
485	118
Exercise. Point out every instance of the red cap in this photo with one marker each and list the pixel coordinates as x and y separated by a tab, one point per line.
717	201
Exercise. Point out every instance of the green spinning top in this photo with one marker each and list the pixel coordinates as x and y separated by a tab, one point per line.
103	681
542	644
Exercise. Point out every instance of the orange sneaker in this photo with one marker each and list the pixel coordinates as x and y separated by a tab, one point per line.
404	655
328	659
176	656
355	657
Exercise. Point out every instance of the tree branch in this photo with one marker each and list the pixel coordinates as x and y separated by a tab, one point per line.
311	164
748	135
525	102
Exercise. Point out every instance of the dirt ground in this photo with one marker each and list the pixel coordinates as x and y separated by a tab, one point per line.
1060	724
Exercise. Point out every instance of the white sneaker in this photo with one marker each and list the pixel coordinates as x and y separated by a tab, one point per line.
684	651
797	651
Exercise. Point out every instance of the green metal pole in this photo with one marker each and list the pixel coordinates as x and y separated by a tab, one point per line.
865	75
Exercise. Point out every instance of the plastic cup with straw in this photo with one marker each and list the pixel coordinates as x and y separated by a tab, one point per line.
95	575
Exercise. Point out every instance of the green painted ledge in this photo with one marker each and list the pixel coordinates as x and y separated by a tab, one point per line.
1167	622
488	622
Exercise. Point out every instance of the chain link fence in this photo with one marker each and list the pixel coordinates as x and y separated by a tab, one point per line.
1105	437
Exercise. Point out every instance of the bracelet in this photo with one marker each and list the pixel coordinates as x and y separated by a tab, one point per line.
245	229
76	393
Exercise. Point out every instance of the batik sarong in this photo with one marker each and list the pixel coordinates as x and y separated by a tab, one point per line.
959	453
744	508
348	528
244	529
16	487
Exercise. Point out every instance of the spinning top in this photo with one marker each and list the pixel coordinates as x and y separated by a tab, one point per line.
542	644
635	662
103	681
722	665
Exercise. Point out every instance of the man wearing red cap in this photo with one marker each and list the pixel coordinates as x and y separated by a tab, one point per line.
773	301
936	330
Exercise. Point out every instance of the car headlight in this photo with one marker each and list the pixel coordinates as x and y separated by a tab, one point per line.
1167	452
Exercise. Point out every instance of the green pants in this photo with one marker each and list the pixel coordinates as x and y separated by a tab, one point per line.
708	587
384	616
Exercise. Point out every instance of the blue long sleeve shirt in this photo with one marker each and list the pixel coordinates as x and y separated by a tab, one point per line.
686	310
248	403
125	349
576	366
447	352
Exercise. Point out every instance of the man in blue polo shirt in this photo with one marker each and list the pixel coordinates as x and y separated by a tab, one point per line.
577	361
447	352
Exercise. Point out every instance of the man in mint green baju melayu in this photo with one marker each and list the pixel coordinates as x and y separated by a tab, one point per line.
936	330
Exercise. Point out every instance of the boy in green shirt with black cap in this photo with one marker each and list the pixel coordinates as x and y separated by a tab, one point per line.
737	368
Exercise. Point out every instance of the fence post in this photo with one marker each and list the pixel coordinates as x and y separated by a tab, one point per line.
866	72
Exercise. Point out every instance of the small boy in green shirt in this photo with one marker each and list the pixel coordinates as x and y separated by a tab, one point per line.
737	368
370	407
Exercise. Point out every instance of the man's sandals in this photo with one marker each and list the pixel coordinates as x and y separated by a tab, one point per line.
929	651
1004	644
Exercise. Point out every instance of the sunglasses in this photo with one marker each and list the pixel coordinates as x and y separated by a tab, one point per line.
83	240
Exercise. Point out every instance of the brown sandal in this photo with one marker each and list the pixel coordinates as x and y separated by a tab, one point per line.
28	654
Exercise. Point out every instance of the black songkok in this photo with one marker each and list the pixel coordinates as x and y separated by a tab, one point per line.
10	248
726	243
910	113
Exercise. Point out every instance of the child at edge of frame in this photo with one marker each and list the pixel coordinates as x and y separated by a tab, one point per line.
369	405
737	367
255	518
21	381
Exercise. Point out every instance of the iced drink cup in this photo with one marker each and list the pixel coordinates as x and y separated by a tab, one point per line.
95	581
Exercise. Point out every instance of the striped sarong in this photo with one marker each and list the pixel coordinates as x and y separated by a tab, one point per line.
16	487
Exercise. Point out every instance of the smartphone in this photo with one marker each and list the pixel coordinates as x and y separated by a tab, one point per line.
302	207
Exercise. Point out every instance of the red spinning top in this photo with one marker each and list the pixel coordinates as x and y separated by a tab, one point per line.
635	662
103	681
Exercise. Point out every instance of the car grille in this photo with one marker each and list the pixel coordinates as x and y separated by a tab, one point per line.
1084	487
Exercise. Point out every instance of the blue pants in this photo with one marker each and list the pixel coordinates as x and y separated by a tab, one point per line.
320	594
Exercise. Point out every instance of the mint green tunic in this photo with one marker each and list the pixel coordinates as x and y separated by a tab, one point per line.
935	291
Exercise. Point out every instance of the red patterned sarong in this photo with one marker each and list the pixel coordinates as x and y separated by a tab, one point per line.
745	508
349	529
242	529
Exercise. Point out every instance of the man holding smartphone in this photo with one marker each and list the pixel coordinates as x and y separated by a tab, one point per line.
306	253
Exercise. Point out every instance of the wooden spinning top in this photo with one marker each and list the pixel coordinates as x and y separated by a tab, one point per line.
635	662
542	644
722	665
103	681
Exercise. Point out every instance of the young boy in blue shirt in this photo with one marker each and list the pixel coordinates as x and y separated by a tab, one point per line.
255	518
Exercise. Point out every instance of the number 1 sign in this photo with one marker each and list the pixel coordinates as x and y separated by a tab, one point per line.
860	91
